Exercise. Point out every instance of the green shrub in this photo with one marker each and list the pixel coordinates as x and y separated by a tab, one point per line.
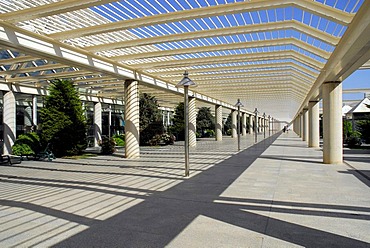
107	146
26	144
162	139
119	139
354	139
364	128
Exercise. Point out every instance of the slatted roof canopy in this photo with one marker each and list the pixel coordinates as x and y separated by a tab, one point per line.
268	53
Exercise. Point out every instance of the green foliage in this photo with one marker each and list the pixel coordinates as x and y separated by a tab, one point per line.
150	119
347	129
26	144
354	139
178	127
364	128
119	139
107	146
162	139
205	121
63	122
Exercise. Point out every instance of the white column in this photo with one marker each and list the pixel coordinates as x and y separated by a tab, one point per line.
305	125
301	125
250	124
97	123
34	111
192	122
218	124
332	122
132	135
313	124
234	114
9	117
244	124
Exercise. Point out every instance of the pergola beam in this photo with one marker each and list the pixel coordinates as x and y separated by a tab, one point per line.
222	47
50	9
235	58
263	27
315	8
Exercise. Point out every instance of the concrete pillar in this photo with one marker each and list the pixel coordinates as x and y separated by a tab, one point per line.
244	124
132	148
250	124
34	111
218	124
305	125
332	122
301	125
97	123
234	114
313	124
192	122
9	118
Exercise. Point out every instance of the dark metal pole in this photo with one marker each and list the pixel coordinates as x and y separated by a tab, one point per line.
186	109
238	128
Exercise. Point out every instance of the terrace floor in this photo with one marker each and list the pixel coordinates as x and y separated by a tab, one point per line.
276	193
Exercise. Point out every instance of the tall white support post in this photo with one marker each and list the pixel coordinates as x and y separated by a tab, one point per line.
132	149
97	123
192	122
250	124
218	125
233	124
301	125
34	111
313	124
9	118
305	125
244	124
332	122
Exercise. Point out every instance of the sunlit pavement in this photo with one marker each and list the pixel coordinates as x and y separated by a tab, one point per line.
278	195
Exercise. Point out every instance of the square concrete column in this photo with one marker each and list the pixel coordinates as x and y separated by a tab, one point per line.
218	124
305	125
313	124
250	124
192	122
244	124
332	122
34	111
132	115
9	119
97	123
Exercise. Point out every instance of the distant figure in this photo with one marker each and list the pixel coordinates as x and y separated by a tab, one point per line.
284	129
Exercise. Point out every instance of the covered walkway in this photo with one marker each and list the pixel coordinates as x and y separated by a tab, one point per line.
277	193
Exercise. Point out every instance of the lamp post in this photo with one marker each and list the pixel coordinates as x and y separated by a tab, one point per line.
264	125
186	82
109	110
238	104
256	125
269	125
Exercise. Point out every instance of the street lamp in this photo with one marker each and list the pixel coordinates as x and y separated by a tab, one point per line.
269	126
255	124
238	104
264	125
186	83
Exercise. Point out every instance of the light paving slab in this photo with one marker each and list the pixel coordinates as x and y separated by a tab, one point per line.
277	193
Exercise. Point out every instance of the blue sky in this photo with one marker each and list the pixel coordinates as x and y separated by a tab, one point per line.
358	79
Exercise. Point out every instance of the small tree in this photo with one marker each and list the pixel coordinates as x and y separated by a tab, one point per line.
178	127
150	118
205	120
63	123
228	125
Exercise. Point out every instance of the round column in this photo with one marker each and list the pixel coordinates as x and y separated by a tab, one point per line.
97	123
332	122
9	119
218	124
192	122
313	124
233	124
132	149
244	124
305	125
250	124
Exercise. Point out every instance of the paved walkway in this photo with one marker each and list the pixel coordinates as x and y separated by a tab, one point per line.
276	193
